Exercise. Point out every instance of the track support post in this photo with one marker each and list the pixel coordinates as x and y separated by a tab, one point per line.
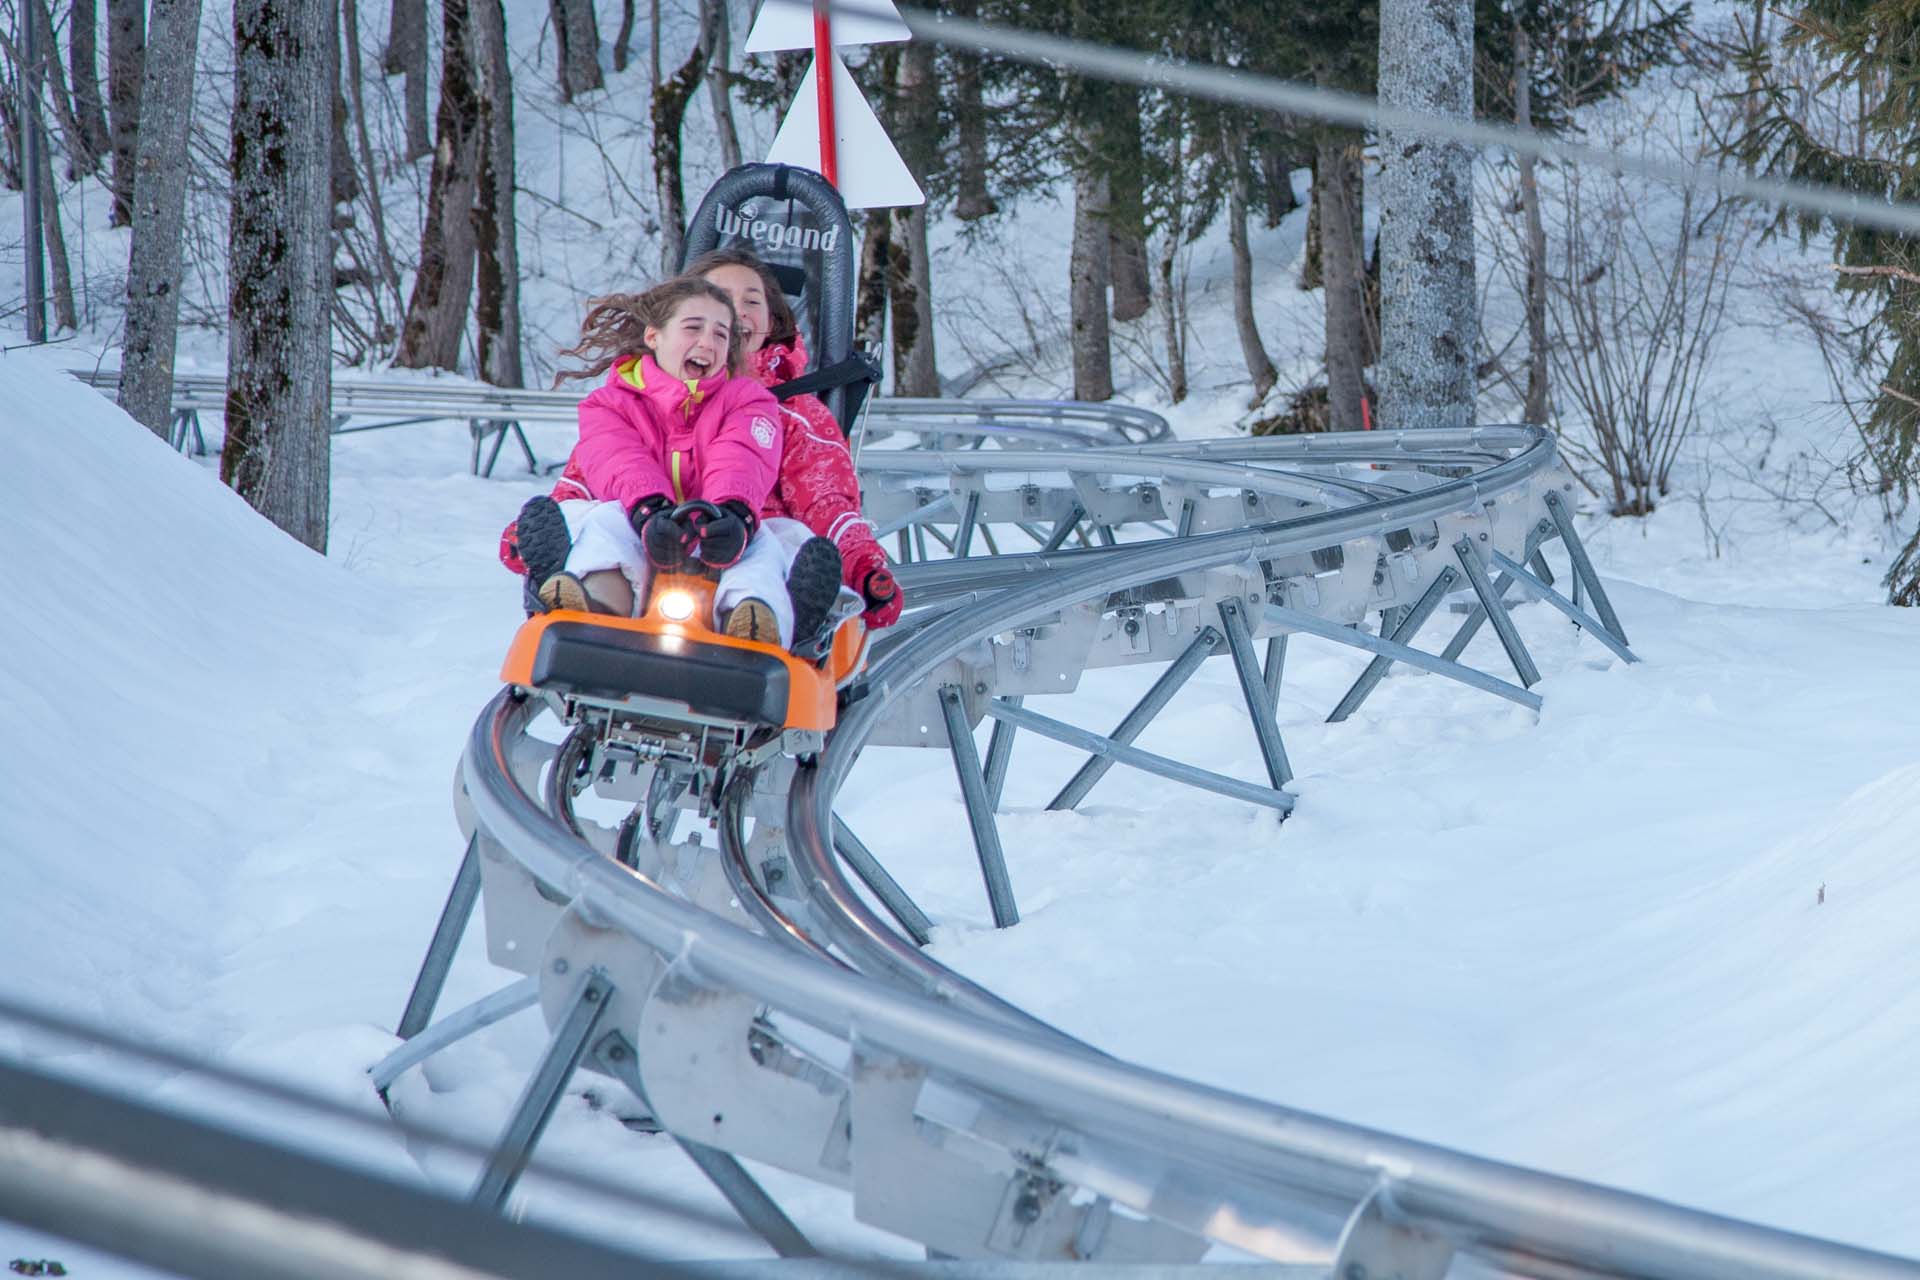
1583	571
446	940
543	1090
1489	594
973	790
1000	755
1253	688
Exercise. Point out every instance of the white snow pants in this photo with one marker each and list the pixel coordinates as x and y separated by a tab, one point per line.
603	538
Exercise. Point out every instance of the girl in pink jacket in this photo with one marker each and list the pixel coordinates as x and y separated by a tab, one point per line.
671	424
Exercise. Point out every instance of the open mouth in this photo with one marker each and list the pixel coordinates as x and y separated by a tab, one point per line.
698	366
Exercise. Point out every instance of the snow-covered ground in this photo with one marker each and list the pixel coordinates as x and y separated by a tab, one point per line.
1649	936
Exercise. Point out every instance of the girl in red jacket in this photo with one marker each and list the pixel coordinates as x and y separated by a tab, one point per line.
817	484
671	424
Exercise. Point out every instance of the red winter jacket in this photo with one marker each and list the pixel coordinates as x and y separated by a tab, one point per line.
818	485
642	433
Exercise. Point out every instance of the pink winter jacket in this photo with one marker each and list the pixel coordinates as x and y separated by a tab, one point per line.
643	433
818	485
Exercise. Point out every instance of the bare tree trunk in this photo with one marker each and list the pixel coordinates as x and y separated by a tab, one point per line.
1312	261
1276	171
623	39
1087	286
279	358
370	168
343	178
437	312
1535	410
577	31
82	158
1259	368
1172	300
915	120
716	32
1337	205
9	161
60	275
669	112
914	373
83	51
406	55
1127	219
496	302
870	313
1173	321
653	48
1429	310
972	199
126	58
159	204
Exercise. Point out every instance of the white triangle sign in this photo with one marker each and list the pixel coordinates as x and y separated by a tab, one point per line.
788	24
872	174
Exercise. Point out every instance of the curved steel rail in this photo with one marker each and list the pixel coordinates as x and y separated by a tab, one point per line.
1262	1177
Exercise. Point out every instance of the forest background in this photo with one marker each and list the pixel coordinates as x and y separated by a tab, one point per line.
320	187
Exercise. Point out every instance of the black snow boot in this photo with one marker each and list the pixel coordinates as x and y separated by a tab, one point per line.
540	536
813	583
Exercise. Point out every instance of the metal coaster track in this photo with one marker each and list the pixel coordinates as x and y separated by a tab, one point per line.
757	1003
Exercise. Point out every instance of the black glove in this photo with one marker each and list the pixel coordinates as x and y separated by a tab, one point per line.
642	511
723	538
667	542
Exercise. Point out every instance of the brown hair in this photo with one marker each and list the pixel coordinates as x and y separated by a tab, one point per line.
781	327
616	325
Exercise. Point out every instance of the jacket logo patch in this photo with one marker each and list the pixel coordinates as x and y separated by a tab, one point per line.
763	433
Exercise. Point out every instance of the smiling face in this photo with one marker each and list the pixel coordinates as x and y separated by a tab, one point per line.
749	294
695	340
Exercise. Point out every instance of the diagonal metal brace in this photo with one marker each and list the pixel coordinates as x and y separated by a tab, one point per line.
973	791
1316	626
1578	616
455	1027
1583	570
1476	567
1146	761
1135	721
1403	634
941	505
884	886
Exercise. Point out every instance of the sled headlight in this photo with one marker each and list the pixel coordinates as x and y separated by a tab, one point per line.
676	605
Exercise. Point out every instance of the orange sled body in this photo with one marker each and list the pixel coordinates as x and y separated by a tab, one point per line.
682	663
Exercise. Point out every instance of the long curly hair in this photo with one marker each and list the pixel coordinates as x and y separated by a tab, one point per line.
616	325
781	326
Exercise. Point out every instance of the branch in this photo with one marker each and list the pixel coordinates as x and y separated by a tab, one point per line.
1898	273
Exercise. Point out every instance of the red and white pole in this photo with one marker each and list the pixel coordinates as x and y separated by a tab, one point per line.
823	82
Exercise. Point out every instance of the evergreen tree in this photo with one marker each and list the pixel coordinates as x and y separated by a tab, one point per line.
1873	49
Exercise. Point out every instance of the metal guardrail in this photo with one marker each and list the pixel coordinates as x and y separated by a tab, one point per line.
495	416
945	1079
